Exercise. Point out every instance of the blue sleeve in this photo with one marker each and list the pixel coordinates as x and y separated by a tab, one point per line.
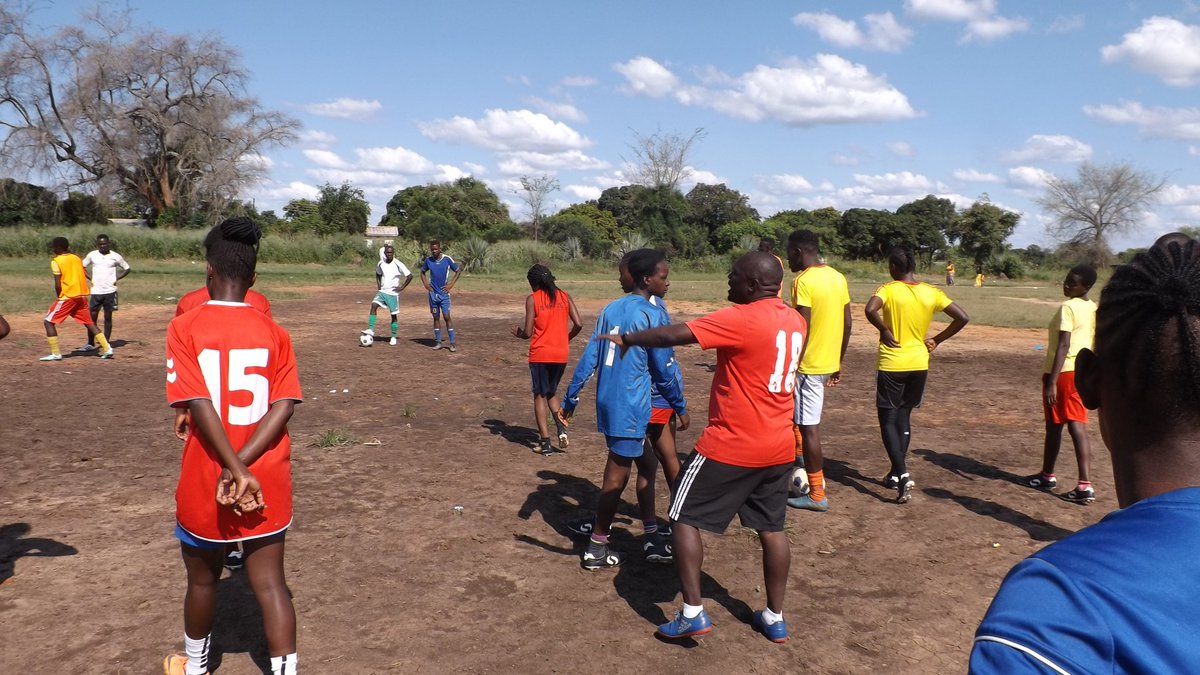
453	265
997	658
664	370
588	363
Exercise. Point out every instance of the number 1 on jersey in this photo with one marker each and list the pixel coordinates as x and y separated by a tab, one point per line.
612	347
785	380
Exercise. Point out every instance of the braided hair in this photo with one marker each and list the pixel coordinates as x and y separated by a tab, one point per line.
540	279
231	248
1149	322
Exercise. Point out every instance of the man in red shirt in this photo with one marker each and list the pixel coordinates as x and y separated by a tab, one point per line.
742	463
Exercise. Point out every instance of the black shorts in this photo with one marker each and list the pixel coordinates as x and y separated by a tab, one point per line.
102	301
710	493
546	377
900	390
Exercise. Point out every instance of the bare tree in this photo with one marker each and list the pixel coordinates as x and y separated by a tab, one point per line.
534	191
660	159
1102	201
163	118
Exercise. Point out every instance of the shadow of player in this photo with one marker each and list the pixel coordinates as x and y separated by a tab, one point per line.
238	624
569	499
424	342
525	437
1038	530
841	472
966	467
14	544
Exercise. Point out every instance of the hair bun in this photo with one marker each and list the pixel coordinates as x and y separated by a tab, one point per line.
241	230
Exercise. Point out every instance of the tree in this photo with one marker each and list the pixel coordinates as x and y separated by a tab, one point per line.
343	209
26	204
823	222
1104	200
714	206
469	203
982	229
534	192
595	228
163	118
660	159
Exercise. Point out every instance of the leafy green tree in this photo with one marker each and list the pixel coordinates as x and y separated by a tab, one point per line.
983	229
468	202
868	234
620	202
435	226
594	228
303	215
26	204
729	236
714	206
342	209
823	222
82	208
660	214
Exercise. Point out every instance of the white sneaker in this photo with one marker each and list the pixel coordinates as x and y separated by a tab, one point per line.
369	331
51	357
392	342
108	354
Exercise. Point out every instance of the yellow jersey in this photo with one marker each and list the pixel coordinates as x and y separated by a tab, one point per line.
72	281
824	290
908	309
1076	316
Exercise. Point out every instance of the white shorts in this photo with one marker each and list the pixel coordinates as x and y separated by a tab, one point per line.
810	399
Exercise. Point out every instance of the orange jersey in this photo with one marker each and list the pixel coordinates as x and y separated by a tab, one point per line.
69	269
200	296
241	361
750	406
551	323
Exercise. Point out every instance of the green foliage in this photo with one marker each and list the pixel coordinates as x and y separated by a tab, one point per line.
82	208
519	255
476	254
26	204
632	242
1009	265
594	241
343	208
434	226
822	222
468	203
572	249
982	229
334	438
712	207
729	236
661	214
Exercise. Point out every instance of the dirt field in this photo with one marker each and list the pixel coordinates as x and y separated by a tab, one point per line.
388	579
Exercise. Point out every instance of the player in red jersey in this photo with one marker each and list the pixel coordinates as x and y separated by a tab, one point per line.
235	370
742	463
200	296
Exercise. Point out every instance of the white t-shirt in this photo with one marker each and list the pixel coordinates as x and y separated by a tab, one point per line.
393	273
104	271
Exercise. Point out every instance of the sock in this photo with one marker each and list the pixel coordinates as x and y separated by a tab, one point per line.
437	335
197	654
799	444
283	665
1085	485
770	618
599	540
816	485
1047	475
650	526
54	345
692	611
395	327
450	332
104	346
371	322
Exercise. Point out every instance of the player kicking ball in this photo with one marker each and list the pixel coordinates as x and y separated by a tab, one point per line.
71	287
388	274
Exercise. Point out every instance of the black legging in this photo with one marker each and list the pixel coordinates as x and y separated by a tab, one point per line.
896	428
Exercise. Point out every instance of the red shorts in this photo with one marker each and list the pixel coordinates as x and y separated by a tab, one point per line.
1069	407
661	415
70	307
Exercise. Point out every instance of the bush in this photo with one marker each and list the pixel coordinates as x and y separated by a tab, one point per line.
476	255
729	236
1008	264
519	255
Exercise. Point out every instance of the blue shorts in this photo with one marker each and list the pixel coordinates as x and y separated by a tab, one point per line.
192	540
624	447
439	303
546	377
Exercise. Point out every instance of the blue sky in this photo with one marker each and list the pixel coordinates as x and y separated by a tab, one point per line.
867	104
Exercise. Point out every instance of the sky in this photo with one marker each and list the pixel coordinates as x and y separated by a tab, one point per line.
803	104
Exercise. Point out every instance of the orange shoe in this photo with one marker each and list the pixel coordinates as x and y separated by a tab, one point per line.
175	664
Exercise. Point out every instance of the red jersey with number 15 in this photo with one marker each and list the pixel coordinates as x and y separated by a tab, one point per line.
750	405
236	357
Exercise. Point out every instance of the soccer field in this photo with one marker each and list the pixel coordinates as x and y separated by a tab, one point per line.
388	577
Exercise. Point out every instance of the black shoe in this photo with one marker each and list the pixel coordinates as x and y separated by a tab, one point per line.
544	447
891	481
905	485
233	560
599	557
1081	495
657	549
1040	481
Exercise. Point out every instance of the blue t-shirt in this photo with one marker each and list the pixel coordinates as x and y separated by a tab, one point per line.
1121	596
438	271
657	400
623	383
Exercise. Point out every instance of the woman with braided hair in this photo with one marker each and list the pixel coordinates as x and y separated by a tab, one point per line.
547	313
234	369
1122	595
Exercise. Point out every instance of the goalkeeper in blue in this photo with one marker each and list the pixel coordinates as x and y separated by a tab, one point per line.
623	394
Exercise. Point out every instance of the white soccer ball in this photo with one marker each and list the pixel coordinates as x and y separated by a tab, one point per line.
800	485
366	340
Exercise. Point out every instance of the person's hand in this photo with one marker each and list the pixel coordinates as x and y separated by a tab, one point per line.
685	421
888	340
930	344
563	417
834	379
618	340
516	330
1050	393
242	491
183	423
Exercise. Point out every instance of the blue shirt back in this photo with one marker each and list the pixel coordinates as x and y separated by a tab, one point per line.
438	271
623	383
1121	596
657	400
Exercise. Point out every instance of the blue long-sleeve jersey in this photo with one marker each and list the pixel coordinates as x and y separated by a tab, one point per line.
623	384
657	400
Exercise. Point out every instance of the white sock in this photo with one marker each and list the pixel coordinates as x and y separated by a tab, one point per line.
283	665
692	611
197	654
771	618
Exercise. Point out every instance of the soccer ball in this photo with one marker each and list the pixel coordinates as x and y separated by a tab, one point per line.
800	485
366	340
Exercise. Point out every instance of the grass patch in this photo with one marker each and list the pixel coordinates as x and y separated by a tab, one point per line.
334	438
408	411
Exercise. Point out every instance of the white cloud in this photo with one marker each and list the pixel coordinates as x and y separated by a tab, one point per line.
475	169
882	32
1162	46
824	90
584	192
983	24
993	28
1028	178
1194	151
316	137
844	159
357	177
644	75
517	163
1050	148
1155	122
1066	24
447	173
1180	195
560	109
694	176
393	160
346	108
286	193
901	149
579	81
325	159
257	161
973	176
902	183
507	130
786	183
